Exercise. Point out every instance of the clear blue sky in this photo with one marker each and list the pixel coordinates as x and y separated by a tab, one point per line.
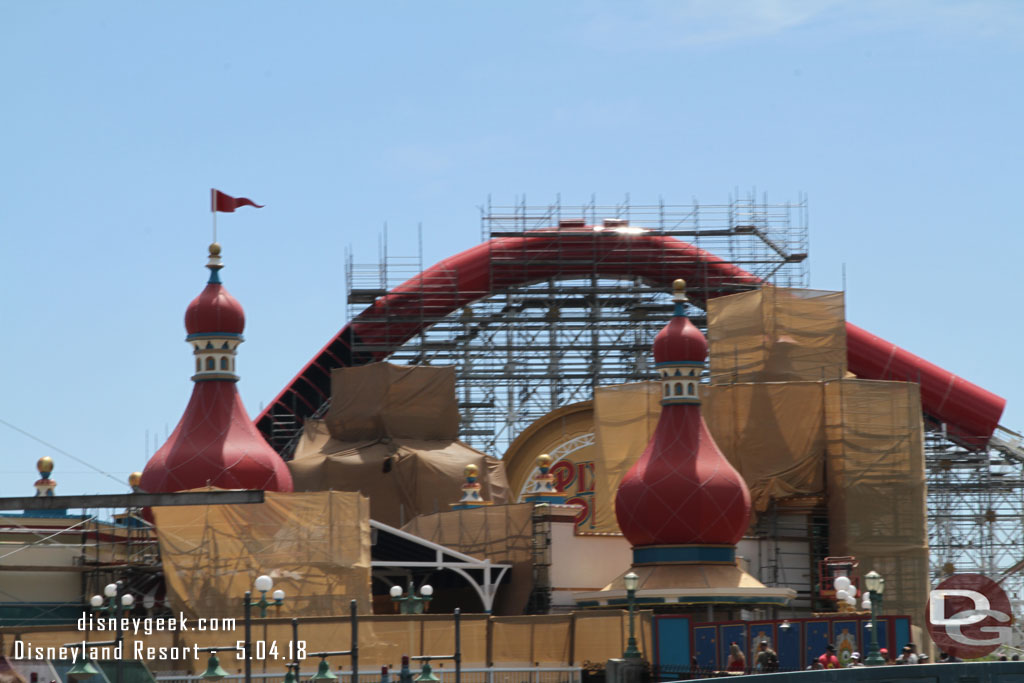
902	121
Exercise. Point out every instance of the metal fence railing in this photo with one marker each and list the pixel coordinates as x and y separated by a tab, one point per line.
446	675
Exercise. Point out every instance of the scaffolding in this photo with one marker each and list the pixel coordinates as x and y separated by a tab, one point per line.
976	511
521	351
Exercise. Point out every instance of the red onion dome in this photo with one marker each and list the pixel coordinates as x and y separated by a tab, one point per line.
214	310
680	340
682	491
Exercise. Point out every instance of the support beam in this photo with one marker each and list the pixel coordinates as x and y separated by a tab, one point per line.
131	500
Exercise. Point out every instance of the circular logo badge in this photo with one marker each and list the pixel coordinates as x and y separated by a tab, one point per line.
969	616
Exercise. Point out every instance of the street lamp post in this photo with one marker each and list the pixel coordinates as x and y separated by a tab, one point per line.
875	586
631	580
263	584
117	601
412	603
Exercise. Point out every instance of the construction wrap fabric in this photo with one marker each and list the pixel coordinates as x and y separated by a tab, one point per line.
774	434
391	434
501	534
876	487
777	335
402	477
315	546
381	400
625	416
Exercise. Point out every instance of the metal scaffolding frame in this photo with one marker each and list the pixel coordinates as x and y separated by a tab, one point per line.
526	350
976	511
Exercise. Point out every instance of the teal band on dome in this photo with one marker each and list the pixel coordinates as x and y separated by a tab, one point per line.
688	554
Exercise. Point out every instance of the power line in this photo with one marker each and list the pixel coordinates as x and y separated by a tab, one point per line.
61	451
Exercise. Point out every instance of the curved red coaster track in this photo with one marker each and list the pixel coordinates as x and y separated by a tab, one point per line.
970	412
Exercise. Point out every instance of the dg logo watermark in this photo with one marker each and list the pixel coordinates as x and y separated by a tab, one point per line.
969	616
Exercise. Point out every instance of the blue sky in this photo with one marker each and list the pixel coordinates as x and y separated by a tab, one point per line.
901	122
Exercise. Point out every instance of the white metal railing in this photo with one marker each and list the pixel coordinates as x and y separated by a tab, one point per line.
542	674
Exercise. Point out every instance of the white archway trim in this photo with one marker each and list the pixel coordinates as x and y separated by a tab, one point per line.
447	558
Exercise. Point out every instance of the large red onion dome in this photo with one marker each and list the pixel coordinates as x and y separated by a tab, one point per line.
215	442
214	310
682	491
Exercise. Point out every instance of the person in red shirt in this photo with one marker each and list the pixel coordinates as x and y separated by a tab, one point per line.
828	660
737	660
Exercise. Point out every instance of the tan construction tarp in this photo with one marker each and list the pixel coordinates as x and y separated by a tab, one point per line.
773	434
777	335
501	534
876	486
402	478
625	416
380	400
315	546
390	434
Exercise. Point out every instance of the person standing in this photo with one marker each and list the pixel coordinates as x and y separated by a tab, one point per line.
828	659
908	656
767	659
854	661
737	660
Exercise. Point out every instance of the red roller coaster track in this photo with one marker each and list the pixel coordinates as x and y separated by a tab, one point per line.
970	412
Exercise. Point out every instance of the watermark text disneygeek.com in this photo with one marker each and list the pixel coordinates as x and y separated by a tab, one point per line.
149	625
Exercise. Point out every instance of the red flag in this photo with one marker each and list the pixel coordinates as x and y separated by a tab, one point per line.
227	204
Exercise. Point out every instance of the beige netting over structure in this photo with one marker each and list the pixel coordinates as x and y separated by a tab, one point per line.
625	416
390	434
316	547
502	534
773	434
777	335
876	486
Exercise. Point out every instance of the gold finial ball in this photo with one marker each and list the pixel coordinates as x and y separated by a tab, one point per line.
544	460
679	285
215	250
45	465
470	470
134	479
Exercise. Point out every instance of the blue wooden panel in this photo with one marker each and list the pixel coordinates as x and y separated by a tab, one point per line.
883	640
816	637
789	648
705	646
759	632
844	637
733	633
901	634
672	636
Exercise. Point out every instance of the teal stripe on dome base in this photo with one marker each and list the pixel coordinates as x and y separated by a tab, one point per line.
684	554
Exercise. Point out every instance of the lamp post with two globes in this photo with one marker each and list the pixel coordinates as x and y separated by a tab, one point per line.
263	584
117	601
412	603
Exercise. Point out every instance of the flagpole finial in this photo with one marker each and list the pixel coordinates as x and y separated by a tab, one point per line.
214	264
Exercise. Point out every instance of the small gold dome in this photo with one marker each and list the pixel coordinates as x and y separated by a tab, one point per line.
134	478
679	285
215	249
470	470
543	460
45	465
